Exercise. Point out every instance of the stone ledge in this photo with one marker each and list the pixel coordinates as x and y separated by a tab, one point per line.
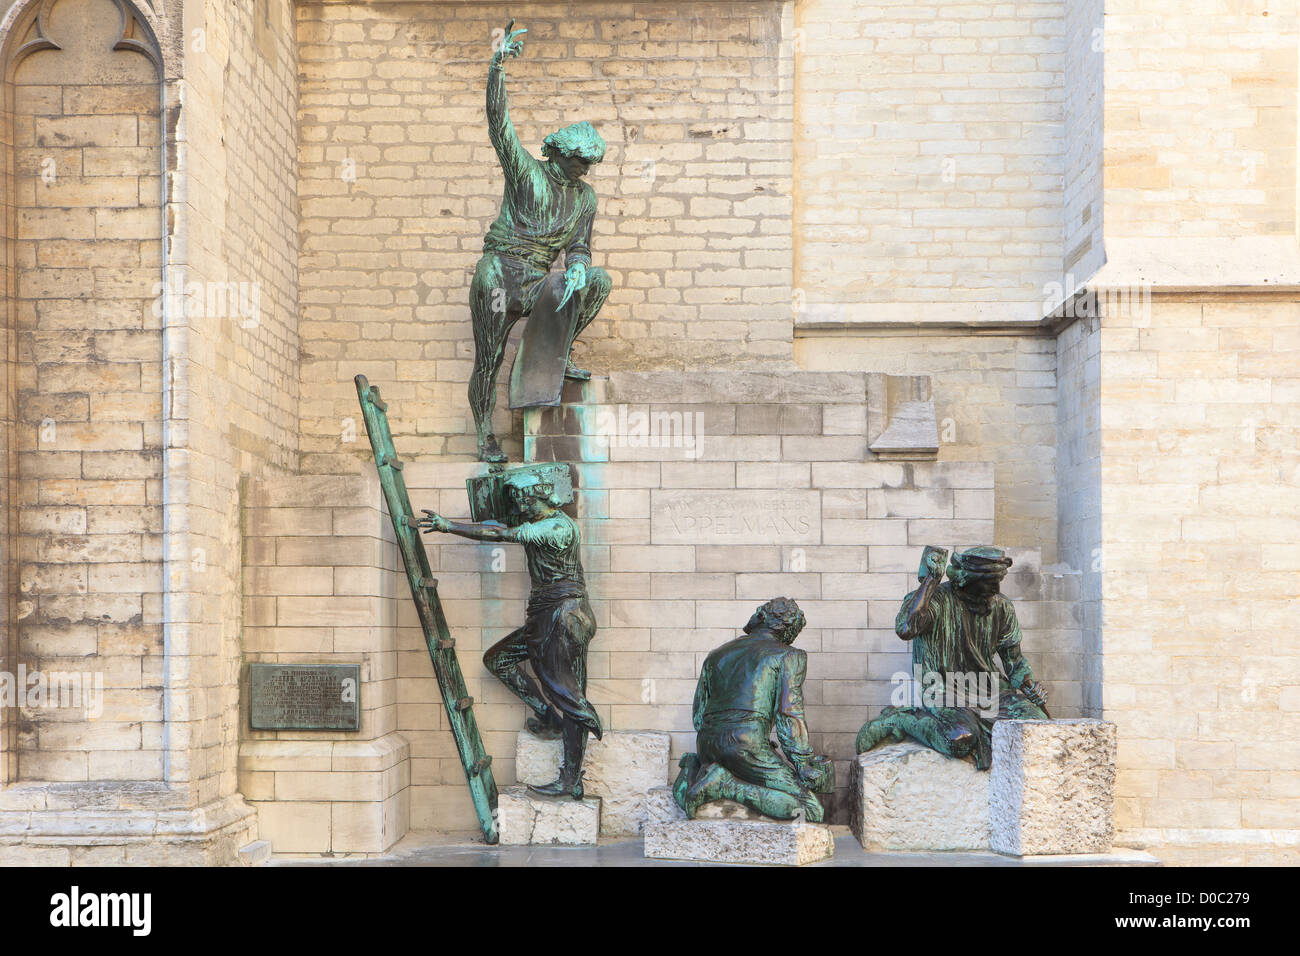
210	835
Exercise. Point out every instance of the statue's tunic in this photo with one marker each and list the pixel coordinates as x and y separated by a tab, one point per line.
952	638
542	214
560	623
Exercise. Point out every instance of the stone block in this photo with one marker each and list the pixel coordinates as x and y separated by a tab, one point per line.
526	820
1052	787
731	839
621	769
907	797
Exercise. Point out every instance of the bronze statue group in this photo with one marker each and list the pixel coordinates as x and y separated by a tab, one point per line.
751	687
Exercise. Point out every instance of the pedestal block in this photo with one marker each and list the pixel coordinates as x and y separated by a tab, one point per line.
728	832
621	769
1052	787
526	820
907	797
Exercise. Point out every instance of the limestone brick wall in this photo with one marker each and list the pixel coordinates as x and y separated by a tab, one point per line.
1201	126
399	183
1083	252
929	157
779	498
995	401
1200	517
321	580
87	458
235	353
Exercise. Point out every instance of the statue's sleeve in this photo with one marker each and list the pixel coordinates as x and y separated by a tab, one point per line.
550	532
514	158
909	626
1009	633
1013	662
701	698
791	731
579	249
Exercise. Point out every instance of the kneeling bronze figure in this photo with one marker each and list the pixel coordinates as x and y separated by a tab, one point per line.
748	688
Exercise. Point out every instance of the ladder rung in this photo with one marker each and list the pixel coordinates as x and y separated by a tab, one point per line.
392	461
446	643
464	703
411	522
376	401
480	765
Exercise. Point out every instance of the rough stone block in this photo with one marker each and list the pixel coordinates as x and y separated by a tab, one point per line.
621	769
735	840
907	797
1052	786
525	820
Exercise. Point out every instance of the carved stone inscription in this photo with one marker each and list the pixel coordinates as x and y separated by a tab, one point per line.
758	516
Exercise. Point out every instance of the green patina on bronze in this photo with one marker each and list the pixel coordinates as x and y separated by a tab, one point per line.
749	688
544	662
546	211
424	590
957	628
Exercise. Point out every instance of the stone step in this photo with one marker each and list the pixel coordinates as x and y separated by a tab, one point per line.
724	831
907	797
739	840
527	820
621	769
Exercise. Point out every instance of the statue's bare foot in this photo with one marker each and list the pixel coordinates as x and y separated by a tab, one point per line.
489	450
572	371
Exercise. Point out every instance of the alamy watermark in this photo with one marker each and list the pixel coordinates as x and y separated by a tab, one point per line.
55	690
978	690
1122	301
210	300
620	427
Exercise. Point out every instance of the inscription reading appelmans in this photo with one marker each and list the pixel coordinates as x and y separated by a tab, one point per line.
749	516
304	696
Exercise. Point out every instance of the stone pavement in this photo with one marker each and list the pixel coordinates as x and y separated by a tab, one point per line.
436	849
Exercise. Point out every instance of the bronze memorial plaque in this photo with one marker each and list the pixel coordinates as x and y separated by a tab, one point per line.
304	696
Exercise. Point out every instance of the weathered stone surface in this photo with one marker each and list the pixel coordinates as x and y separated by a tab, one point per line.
523	819
732	840
907	797
621	769
661	807
1052	787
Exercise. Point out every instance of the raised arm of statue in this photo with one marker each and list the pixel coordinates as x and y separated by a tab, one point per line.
514	158
915	617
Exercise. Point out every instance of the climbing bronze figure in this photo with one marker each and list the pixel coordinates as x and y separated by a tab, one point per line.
546	210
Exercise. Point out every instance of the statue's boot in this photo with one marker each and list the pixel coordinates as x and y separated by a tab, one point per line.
572	371
712	782
569	783
546	726
490	450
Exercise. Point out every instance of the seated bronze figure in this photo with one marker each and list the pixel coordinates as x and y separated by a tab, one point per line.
956	628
